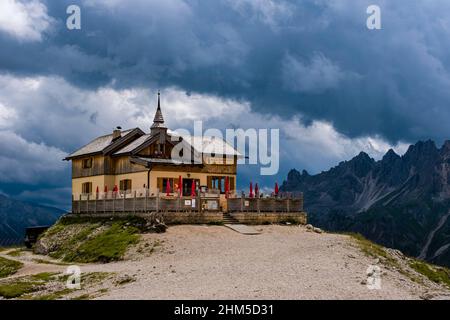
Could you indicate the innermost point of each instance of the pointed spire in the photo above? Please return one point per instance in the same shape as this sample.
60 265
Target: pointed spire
159 103
158 120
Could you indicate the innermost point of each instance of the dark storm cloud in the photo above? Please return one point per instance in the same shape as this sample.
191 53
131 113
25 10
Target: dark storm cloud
314 58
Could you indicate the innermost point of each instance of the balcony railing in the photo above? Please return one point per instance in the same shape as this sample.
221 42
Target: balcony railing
144 200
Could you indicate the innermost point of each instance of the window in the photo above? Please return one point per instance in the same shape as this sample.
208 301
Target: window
218 183
87 163
125 185
86 188
162 184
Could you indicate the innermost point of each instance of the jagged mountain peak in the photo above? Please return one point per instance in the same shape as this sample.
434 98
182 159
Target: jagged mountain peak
396 201
445 150
391 156
421 148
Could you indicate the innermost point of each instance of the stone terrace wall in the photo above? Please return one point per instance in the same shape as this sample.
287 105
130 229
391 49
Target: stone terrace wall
203 217
270 217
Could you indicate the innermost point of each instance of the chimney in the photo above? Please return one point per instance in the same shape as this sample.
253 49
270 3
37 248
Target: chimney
117 133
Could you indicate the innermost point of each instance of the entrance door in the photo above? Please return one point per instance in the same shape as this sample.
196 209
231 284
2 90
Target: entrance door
187 186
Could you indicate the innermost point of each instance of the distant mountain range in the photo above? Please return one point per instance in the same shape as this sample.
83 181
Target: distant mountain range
16 215
401 202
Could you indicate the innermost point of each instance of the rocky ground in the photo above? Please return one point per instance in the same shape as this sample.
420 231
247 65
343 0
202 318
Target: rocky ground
214 262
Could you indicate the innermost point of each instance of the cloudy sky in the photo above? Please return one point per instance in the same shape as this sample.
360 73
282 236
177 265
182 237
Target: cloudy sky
310 68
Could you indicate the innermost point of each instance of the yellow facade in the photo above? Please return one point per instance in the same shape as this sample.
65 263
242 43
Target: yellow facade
139 180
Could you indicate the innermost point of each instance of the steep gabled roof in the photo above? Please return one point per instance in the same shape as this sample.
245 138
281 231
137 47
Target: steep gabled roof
209 144
203 144
105 144
133 145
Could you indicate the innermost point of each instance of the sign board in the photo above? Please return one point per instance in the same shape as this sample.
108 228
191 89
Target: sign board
246 203
187 202
193 203
211 205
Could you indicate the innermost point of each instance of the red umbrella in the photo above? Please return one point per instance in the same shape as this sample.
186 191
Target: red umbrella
256 190
168 188
180 186
106 188
115 188
227 186
276 188
251 190
193 188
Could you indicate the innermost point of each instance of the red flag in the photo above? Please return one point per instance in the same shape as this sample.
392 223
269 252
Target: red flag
180 185
168 188
227 187
256 190
276 188
251 190
193 188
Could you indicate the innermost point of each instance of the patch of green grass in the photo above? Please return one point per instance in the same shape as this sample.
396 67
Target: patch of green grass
44 276
82 297
107 246
376 251
56 228
54 295
46 285
68 246
9 267
17 289
15 253
436 274
43 261
94 277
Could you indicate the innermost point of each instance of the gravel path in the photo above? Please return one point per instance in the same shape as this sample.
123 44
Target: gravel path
283 262
213 262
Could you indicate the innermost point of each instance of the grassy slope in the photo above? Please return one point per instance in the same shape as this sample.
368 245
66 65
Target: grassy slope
437 274
91 241
8 267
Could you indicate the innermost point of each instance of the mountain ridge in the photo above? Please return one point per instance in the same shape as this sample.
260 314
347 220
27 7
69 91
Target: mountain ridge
16 215
397 201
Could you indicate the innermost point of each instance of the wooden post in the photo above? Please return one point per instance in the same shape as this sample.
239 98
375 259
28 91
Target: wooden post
134 202
114 202
145 200
104 202
242 204
158 202
79 204
124 197
87 204
257 204
288 205
95 208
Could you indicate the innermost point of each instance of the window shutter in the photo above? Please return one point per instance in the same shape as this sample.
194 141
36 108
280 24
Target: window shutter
160 184
209 182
